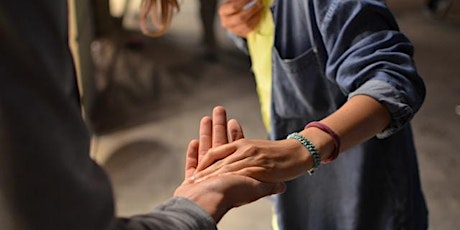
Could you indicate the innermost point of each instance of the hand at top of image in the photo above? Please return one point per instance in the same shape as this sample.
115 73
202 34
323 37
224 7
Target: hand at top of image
240 17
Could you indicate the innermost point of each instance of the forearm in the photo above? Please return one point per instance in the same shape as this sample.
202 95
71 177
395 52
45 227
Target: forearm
358 120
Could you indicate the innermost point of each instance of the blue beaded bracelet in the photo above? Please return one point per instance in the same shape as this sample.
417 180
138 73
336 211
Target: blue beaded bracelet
311 149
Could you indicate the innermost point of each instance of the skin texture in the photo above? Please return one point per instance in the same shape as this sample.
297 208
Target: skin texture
238 20
269 161
278 161
218 194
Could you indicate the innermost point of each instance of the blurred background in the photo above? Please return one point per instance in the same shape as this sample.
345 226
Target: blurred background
143 99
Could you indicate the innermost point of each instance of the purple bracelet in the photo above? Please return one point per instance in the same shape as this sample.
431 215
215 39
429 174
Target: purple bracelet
334 136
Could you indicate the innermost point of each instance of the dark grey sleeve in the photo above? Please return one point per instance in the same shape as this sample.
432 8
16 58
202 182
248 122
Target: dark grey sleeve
47 179
175 214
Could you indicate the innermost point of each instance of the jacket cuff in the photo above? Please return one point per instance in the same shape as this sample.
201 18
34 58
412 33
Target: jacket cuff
394 101
196 215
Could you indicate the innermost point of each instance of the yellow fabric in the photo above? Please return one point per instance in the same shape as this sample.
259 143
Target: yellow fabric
260 43
274 221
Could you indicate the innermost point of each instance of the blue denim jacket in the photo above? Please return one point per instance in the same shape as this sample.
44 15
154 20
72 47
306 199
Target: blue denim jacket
326 51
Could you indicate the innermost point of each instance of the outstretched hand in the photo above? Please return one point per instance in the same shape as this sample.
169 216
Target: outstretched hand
263 160
215 131
218 194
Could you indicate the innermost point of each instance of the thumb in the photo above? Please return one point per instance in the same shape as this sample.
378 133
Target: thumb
191 160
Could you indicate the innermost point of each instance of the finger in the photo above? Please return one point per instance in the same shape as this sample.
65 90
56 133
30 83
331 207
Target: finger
227 9
205 137
241 26
191 160
235 131
246 163
219 126
253 21
241 17
214 155
220 168
225 160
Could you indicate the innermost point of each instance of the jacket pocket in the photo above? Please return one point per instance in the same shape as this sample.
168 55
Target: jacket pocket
299 88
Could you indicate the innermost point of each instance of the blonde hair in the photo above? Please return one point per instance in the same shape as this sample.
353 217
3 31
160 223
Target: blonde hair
159 13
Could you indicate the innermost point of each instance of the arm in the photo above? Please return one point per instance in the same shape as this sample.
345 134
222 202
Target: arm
352 123
371 63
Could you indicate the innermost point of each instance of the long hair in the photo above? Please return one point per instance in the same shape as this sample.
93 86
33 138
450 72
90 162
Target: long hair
159 14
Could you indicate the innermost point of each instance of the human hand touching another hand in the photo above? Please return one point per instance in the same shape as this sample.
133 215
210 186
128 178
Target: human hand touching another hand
217 194
264 160
240 17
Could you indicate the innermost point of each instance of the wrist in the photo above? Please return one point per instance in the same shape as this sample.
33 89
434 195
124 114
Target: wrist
301 155
212 202
323 142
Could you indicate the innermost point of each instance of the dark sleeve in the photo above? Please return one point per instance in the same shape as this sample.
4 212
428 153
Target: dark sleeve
174 214
367 54
47 179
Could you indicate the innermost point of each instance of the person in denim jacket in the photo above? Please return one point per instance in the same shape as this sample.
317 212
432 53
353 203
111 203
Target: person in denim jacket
344 65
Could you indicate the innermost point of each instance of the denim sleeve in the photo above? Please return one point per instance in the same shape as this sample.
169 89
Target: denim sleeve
367 54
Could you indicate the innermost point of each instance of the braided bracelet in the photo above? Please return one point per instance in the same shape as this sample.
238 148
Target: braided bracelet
311 149
334 136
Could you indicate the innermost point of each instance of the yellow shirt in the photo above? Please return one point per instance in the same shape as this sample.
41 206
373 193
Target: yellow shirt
260 43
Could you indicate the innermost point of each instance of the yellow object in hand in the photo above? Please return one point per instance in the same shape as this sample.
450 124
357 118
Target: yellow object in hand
260 43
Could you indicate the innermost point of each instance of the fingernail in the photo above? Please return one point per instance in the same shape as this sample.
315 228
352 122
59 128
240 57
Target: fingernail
249 5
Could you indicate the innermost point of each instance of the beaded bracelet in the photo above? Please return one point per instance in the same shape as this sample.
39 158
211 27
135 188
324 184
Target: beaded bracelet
334 136
311 149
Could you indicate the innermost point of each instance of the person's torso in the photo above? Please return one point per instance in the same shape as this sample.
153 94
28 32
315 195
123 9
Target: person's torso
300 91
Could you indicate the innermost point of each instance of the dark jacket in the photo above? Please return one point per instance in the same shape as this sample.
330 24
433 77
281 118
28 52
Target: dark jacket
47 179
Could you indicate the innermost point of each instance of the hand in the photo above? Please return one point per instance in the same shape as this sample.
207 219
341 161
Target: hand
215 131
237 18
218 194
263 160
